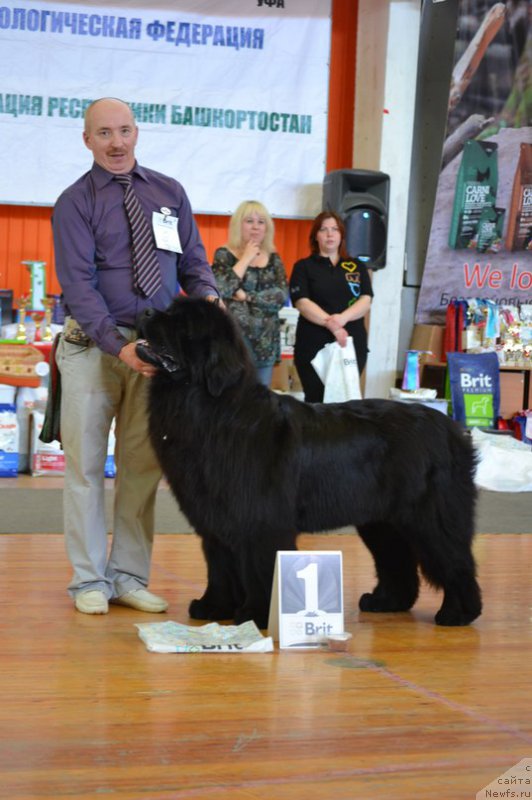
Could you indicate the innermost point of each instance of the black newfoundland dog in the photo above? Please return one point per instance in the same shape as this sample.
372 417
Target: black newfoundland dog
251 469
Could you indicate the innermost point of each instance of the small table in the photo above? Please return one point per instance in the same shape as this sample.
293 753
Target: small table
45 348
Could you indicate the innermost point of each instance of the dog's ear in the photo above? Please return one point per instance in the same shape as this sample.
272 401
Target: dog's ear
224 367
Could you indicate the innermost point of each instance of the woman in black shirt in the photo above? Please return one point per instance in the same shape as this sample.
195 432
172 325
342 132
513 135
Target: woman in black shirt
332 293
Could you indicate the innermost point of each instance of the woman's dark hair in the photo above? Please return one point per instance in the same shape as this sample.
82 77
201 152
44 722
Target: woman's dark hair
316 225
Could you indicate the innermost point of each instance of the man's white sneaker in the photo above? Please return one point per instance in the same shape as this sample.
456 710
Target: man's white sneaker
142 600
92 602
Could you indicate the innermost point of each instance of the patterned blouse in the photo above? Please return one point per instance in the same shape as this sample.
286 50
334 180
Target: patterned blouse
266 289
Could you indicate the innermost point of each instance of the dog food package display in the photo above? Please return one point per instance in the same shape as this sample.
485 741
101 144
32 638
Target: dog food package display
288 317
28 401
44 459
172 637
476 190
47 458
474 388
8 441
7 394
519 234
489 233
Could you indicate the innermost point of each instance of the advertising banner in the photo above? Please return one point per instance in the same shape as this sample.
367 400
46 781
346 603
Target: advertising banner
480 242
230 96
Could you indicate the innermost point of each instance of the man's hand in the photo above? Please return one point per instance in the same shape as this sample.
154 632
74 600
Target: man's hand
213 298
129 356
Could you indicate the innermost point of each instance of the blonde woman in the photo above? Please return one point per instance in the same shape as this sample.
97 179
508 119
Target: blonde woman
252 283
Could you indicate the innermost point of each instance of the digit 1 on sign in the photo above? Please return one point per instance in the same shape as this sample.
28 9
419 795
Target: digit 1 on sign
302 580
309 576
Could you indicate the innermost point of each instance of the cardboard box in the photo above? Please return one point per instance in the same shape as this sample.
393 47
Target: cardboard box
285 378
428 337
280 377
295 383
512 386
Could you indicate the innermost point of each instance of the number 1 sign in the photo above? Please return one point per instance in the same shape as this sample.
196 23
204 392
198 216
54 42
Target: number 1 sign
307 597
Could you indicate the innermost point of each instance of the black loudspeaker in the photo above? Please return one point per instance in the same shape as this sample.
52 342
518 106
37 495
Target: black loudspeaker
6 306
360 197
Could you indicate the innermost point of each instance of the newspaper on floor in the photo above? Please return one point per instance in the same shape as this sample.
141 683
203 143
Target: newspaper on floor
172 637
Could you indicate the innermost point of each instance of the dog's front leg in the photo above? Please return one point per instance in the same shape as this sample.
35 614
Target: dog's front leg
224 592
257 563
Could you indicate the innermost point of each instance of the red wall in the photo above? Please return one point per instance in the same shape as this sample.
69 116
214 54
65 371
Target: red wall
25 232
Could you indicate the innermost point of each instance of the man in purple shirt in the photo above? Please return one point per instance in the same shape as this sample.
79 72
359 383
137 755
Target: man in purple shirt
101 376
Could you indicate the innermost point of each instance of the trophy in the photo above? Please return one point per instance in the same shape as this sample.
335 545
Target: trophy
22 303
34 335
48 303
37 270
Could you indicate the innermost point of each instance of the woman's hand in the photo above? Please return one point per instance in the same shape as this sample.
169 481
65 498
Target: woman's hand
240 295
334 325
340 334
251 251
334 321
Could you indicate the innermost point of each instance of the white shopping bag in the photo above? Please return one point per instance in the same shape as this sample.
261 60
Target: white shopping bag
337 367
504 463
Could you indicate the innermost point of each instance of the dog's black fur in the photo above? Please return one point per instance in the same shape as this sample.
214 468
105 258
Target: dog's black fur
251 469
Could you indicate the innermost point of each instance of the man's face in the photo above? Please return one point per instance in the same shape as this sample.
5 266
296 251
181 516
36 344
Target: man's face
111 134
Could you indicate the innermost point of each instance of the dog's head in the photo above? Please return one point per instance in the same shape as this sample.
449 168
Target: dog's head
196 341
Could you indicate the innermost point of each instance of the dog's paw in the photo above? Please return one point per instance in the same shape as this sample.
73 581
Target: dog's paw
460 608
382 604
200 609
454 618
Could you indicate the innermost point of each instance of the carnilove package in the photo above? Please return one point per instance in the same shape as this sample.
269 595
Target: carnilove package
476 190
519 236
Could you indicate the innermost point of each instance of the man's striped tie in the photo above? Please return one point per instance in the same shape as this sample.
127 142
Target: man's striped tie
146 271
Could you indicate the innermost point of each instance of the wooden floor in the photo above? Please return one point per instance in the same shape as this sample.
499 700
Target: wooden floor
411 711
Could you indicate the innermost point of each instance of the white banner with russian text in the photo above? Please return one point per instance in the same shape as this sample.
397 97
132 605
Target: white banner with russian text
230 96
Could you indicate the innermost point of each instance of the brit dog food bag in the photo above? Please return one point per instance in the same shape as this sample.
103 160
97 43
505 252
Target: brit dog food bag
474 388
